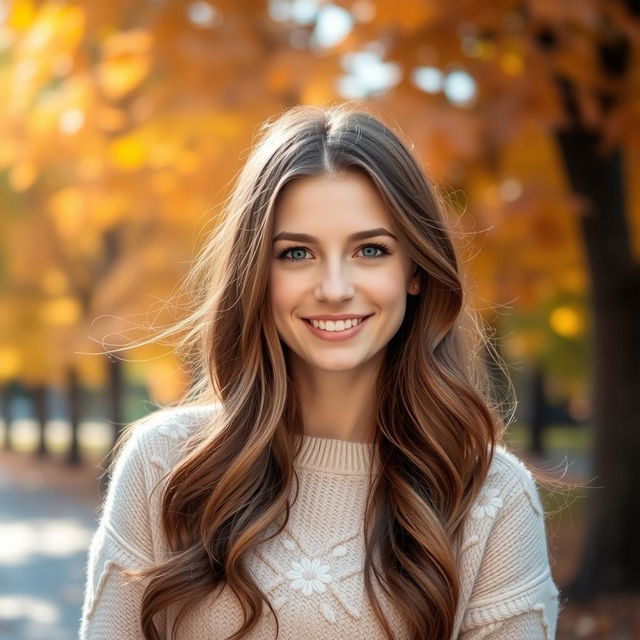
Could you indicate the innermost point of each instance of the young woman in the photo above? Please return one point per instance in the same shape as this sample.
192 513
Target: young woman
337 470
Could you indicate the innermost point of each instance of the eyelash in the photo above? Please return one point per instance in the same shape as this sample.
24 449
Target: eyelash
382 247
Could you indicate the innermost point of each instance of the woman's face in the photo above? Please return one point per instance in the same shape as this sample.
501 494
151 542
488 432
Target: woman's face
336 252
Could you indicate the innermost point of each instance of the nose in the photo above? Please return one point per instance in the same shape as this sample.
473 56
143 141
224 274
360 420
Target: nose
335 283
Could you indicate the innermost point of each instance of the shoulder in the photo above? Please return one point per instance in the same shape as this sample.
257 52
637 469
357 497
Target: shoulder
173 423
505 529
159 438
511 479
504 558
509 463
507 515
129 513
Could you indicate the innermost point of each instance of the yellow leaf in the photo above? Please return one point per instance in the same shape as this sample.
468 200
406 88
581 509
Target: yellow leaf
107 211
91 369
70 24
90 167
574 280
279 78
512 63
484 49
8 152
119 76
89 242
43 119
164 181
186 161
54 282
161 154
22 176
68 209
316 93
155 256
10 362
21 14
127 153
134 41
54 29
525 344
111 119
61 311
126 62
567 321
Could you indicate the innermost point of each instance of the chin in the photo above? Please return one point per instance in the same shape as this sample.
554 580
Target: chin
335 365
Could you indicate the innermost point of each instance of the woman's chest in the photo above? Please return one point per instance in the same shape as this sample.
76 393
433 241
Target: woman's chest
312 573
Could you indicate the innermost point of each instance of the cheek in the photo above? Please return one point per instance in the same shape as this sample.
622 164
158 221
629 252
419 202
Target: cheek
283 292
389 287
388 293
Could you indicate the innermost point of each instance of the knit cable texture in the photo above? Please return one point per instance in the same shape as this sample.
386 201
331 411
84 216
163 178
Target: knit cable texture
312 571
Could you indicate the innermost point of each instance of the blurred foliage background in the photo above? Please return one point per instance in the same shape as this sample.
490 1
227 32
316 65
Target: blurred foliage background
123 125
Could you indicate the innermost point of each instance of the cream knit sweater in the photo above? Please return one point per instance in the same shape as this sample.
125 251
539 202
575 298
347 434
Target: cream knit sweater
312 572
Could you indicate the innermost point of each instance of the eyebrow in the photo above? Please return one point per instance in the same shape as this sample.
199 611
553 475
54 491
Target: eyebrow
354 237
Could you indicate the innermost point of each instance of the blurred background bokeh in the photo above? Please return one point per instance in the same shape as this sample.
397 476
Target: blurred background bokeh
122 127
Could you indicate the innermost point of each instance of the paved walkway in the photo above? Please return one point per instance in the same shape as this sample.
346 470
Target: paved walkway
47 518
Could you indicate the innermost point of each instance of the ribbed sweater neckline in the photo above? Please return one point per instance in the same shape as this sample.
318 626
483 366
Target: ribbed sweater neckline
335 456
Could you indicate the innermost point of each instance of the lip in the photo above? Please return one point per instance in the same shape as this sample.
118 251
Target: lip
337 336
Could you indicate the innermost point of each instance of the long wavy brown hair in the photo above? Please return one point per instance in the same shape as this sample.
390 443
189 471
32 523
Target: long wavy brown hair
438 417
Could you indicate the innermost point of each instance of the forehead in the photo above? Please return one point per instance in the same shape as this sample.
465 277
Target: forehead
331 203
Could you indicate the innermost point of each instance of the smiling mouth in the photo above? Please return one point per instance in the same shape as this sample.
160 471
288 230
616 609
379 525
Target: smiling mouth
360 321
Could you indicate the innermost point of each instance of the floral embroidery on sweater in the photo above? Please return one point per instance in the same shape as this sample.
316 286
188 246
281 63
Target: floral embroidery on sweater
309 576
318 578
487 503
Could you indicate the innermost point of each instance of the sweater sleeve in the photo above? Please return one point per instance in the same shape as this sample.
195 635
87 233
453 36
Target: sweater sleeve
112 602
514 595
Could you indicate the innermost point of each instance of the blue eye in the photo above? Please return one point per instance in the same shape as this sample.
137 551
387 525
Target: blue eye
383 249
283 254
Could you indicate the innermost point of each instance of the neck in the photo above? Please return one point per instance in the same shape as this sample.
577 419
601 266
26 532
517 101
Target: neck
337 404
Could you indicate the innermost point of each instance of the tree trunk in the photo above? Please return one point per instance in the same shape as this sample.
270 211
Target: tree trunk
537 411
115 396
39 398
610 560
73 402
5 396
116 413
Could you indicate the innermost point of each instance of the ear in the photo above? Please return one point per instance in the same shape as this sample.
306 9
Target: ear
413 287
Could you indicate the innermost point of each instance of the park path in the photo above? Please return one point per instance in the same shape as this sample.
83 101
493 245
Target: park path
47 518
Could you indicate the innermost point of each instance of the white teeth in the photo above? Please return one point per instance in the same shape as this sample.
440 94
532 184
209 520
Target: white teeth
338 325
